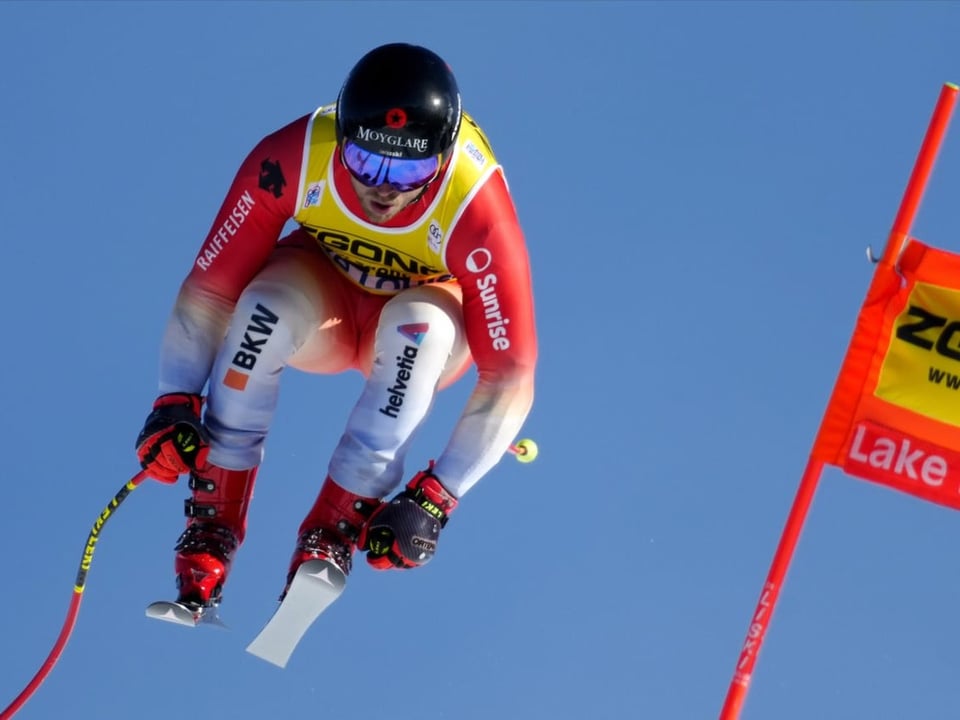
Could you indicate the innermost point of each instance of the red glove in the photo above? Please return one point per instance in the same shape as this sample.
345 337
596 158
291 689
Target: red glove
173 441
403 533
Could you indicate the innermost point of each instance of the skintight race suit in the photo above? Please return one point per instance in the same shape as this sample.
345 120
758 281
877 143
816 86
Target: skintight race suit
410 303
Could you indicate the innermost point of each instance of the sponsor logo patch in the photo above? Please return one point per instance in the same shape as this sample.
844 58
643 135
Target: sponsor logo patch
313 194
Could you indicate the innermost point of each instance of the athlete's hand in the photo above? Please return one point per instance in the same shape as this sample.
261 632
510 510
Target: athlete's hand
173 440
403 533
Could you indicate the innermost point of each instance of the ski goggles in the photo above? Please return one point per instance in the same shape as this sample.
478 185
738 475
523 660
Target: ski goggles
373 170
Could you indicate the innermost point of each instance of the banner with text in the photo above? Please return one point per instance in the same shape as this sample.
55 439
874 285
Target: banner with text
894 416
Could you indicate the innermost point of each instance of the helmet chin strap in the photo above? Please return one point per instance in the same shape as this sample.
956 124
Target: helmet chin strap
420 194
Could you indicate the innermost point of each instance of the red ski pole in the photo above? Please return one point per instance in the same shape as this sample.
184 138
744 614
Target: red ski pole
74 608
525 451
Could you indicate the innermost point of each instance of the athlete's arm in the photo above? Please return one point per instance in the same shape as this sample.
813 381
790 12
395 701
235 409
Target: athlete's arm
261 199
487 254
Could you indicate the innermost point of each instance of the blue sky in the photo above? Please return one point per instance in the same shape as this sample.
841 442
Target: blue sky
697 182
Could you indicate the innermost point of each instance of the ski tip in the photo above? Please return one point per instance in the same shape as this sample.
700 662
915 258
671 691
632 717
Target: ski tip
180 614
277 660
316 584
171 612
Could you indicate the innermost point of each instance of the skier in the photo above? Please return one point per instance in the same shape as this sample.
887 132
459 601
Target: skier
408 264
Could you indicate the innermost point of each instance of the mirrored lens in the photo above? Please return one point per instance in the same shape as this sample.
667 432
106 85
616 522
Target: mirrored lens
372 169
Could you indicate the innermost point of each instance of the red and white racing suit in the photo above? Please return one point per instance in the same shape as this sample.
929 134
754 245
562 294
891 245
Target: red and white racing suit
409 303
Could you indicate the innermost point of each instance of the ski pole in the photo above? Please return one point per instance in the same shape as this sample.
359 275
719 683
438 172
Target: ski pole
525 450
78 587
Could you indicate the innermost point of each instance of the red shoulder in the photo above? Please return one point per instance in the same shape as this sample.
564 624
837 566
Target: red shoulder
261 198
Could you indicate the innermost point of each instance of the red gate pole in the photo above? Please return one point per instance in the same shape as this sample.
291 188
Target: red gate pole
737 693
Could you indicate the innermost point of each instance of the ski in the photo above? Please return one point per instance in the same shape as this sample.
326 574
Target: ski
315 586
181 614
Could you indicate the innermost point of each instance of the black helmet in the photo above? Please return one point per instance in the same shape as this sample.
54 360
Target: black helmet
401 101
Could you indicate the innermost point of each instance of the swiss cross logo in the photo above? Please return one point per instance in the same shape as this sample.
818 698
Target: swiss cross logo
906 463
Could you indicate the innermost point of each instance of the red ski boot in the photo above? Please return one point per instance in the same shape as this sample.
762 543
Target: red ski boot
331 528
216 527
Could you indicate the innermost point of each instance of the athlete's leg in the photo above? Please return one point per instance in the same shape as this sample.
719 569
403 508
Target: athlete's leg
291 304
413 347
418 347
294 312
